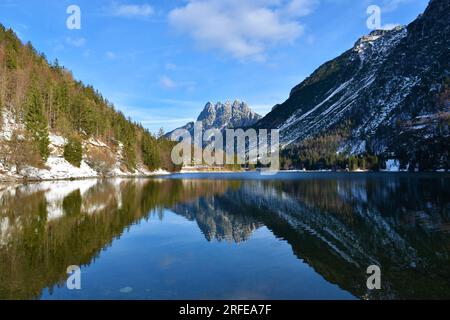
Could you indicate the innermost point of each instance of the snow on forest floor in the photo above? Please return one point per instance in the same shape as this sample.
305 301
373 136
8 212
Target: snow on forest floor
56 167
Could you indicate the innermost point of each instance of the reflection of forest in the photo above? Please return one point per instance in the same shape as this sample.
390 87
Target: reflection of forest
339 227
47 227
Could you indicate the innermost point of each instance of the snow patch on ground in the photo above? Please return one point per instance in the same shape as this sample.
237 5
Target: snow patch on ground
159 172
117 171
59 168
97 143
56 145
57 141
392 165
56 167
9 125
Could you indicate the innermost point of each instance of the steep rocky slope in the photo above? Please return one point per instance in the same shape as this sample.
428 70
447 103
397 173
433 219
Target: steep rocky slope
390 92
224 115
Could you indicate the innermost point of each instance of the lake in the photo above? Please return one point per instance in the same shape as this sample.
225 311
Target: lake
228 236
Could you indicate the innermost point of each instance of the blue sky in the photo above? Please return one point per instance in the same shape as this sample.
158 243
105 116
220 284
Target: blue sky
161 61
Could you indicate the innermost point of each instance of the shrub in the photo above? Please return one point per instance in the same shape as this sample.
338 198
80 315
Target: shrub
73 151
101 161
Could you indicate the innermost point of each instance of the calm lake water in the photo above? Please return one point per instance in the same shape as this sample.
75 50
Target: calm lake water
228 236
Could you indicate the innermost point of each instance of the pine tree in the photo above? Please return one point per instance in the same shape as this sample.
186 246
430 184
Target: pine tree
150 152
36 123
129 147
73 151
160 133
352 163
47 96
11 57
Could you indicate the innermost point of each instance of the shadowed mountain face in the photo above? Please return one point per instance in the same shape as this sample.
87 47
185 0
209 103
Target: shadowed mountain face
391 91
338 225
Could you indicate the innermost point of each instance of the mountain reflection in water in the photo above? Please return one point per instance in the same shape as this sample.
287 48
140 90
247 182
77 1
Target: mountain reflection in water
338 225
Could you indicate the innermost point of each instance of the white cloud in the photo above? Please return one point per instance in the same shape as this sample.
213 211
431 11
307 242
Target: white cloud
310 39
167 83
87 53
132 10
301 8
180 103
170 66
8 3
244 29
76 42
166 120
392 5
111 55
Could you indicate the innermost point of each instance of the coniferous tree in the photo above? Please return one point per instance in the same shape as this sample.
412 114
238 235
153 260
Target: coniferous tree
73 151
160 133
35 121
11 57
48 97
129 147
150 152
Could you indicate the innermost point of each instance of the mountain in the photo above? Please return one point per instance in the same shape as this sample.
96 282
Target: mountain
387 96
224 115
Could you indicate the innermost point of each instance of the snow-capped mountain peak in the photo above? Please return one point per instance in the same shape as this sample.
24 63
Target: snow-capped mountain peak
377 91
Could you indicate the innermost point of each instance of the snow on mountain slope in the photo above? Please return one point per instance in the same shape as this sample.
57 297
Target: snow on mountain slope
380 89
332 109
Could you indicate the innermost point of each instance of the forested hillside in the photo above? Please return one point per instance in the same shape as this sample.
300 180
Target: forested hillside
43 99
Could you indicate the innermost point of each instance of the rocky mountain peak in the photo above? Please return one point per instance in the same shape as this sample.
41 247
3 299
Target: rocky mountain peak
380 91
224 115
227 115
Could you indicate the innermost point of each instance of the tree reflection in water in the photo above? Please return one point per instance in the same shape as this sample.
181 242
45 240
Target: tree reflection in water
338 225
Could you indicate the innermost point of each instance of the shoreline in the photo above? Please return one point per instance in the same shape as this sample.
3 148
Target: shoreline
35 180
159 175
312 171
